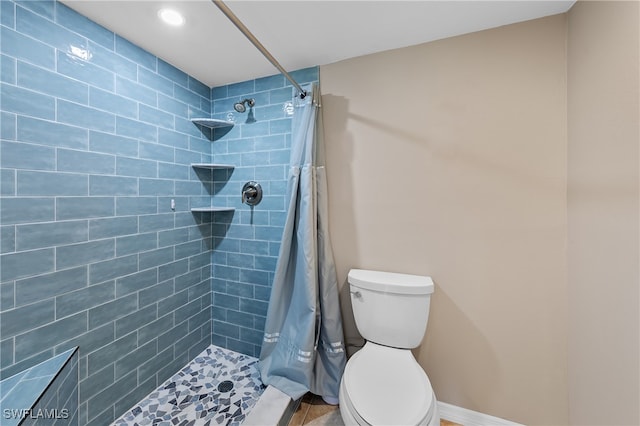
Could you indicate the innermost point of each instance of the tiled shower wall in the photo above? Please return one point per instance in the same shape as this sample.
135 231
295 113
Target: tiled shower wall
96 141
247 242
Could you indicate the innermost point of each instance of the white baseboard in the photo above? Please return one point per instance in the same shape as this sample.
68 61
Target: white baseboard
469 417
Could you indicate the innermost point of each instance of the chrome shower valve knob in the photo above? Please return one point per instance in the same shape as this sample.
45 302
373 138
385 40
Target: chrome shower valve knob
251 193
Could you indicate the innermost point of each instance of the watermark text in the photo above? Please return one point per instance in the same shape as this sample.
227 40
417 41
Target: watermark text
40 413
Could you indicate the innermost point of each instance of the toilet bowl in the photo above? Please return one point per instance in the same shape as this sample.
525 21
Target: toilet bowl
382 383
386 386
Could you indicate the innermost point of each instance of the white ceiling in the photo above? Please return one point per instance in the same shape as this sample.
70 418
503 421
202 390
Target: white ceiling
298 33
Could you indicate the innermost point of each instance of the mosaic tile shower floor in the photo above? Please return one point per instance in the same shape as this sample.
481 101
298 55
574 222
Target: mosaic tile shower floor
219 387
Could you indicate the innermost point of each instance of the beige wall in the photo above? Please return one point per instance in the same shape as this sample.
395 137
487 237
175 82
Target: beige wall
603 207
449 159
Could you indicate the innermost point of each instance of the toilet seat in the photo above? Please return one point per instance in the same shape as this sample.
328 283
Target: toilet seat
386 386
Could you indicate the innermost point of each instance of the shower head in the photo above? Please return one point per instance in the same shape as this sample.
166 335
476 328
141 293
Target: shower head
240 106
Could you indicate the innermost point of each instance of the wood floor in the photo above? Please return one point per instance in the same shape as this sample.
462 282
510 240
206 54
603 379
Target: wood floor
313 407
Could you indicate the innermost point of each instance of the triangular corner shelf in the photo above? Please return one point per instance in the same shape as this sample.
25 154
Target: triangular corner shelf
212 123
212 209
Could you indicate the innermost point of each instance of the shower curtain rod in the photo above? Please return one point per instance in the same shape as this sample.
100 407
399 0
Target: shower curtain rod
238 23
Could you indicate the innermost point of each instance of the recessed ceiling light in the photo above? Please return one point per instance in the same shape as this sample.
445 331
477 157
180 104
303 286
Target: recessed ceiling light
171 17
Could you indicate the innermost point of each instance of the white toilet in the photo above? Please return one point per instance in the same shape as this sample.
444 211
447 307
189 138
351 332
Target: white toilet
382 383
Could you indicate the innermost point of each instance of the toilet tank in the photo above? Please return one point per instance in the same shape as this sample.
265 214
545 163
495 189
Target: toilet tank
390 309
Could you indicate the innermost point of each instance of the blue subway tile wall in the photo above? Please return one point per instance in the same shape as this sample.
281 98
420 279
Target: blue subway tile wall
247 242
95 143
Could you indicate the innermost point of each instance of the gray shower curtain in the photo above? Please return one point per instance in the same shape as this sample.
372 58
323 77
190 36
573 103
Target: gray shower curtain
303 347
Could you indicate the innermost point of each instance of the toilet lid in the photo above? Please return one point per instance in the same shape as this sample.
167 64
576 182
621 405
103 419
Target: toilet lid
387 387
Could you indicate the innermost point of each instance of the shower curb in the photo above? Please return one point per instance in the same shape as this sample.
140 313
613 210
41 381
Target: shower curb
274 408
